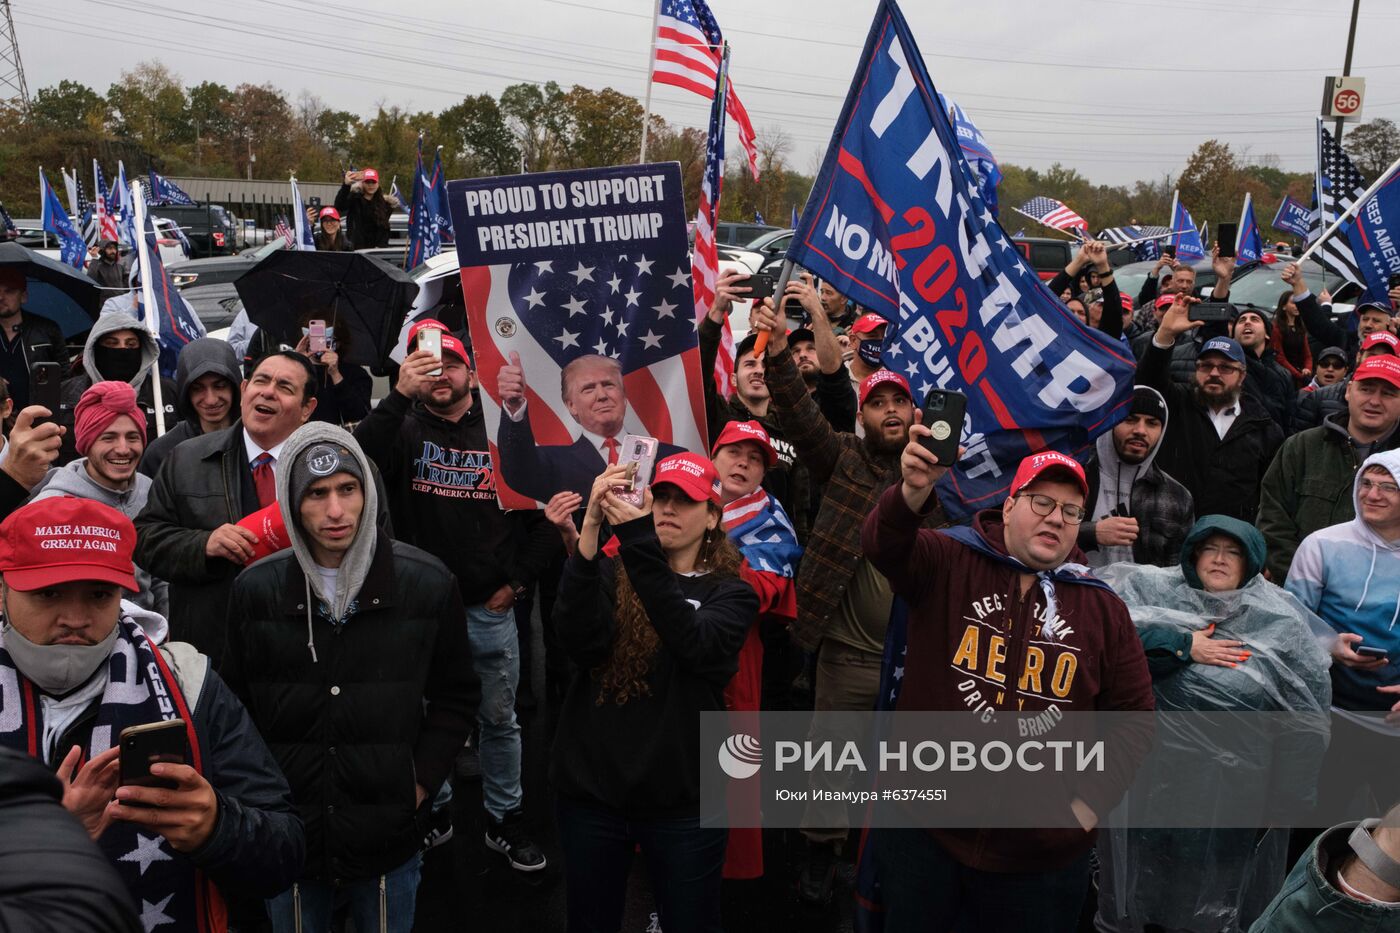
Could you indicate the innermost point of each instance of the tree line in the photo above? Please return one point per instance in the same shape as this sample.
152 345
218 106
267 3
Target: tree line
149 118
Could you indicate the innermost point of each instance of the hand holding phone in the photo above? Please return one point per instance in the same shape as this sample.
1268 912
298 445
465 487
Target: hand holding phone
943 415
46 387
1370 653
316 337
1226 234
145 745
760 286
430 340
638 452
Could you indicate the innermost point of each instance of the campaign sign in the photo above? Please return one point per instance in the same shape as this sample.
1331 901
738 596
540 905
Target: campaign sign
1292 217
579 304
1374 234
894 224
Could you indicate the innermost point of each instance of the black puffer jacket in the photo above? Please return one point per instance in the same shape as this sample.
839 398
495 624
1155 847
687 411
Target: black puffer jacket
368 220
52 877
1271 386
203 357
1313 407
349 728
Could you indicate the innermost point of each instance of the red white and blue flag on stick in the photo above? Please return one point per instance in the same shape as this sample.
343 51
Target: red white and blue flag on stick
689 46
1292 217
126 214
55 220
176 322
165 191
105 209
895 224
1056 215
1374 236
1186 239
704 259
1249 244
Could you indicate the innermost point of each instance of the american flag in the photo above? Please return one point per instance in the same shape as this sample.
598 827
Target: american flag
704 259
106 217
1053 214
285 232
688 51
1339 184
629 306
1144 250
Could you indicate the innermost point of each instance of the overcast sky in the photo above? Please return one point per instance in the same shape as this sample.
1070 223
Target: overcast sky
1118 89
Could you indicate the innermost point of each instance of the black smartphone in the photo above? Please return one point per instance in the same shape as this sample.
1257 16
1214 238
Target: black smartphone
1211 312
943 415
1225 235
315 201
1168 250
1394 280
760 286
1368 652
46 387
145 745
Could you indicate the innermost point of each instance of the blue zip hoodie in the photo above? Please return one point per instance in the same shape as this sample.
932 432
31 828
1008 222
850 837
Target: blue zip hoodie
1350 576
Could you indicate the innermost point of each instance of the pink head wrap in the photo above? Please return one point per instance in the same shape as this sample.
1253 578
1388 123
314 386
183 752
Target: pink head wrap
100 405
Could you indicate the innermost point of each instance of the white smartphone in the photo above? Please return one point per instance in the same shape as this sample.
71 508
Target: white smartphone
430 339
639 453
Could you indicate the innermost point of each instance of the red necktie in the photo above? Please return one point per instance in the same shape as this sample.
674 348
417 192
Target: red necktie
611 444
264 480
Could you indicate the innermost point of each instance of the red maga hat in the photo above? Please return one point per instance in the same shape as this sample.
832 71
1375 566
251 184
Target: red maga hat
1034 466
450 344
65 539
692 474
878 378
738 432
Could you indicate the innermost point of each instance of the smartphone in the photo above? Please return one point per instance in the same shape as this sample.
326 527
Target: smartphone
1368 652
1225 235
1169 250
316 337
760 286
1211 312
1394 280
45 387
639 453
145 745
430 339
315 201
943 415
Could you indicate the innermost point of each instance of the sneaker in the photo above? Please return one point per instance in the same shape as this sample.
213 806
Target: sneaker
439 828
509 838
818 877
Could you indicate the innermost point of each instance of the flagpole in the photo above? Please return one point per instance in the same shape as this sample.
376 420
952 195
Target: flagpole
1349 212
651 73
1145 239
148 297
1171 217
1239 227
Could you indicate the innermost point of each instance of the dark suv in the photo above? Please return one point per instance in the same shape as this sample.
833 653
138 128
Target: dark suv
210 229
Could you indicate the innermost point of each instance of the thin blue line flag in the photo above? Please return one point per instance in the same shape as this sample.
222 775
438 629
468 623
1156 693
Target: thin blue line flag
895 224
72 249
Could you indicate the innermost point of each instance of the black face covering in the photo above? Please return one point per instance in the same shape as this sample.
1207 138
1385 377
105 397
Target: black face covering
117 364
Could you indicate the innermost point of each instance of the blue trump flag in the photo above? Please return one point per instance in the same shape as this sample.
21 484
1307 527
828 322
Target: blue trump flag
55 219
165 191
986 171
1185 237
793 222
894 223
1374 234
758 218
176 320
1292 217
1249 245
438 196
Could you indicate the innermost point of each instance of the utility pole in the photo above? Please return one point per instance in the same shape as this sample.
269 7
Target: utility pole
1346 66
13 89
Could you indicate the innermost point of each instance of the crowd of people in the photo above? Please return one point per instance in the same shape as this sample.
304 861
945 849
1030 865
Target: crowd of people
327 596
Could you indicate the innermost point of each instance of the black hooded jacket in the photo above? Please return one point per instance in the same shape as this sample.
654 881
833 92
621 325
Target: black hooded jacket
367 219
200 358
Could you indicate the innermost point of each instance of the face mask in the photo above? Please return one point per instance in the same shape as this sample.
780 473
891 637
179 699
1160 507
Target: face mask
117 364
56 669
869 351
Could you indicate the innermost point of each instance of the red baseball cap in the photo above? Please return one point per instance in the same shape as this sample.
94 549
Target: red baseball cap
878 378
1036 465
1127 302
738 432
1164 301
1379 367
1385 337
330 212
692 474
65 539
450 344
868 324
371 174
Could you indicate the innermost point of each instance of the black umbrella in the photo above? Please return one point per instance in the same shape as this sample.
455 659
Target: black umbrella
361 297
57 291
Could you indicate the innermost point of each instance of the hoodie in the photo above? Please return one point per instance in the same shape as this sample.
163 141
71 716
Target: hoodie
73 479
1116 480
355 566
82 380
199 358
1350 576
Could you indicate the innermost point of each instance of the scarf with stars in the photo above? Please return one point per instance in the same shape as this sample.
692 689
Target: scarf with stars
171 893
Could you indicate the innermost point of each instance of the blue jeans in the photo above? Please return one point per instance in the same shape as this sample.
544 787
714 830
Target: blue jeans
367 901
685 862
924 888
496 660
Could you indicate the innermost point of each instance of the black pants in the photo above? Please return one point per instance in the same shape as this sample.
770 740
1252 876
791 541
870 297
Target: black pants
925 889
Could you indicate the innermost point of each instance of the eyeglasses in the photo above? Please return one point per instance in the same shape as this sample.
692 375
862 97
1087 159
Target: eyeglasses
1390 489
1044 506
1222 368
1221 550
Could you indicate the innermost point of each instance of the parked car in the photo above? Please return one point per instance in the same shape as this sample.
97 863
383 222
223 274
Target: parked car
217 270
1256 284
1047 255
728 233
209 228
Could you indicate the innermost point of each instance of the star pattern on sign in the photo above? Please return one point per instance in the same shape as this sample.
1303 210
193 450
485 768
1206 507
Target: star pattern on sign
153 915
147 850
545 265
569 311
925 388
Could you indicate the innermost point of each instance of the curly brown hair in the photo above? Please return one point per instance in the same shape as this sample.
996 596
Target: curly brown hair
624 674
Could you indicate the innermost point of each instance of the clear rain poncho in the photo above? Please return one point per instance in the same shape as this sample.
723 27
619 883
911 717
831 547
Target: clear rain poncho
1214 880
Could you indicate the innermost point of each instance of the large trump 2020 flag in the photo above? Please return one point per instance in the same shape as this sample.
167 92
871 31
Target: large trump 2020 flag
895 222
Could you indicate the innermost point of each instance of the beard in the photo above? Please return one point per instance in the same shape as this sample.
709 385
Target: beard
1215 401
430 403
881 449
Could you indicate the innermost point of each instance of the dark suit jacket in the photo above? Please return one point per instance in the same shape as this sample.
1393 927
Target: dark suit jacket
540 472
